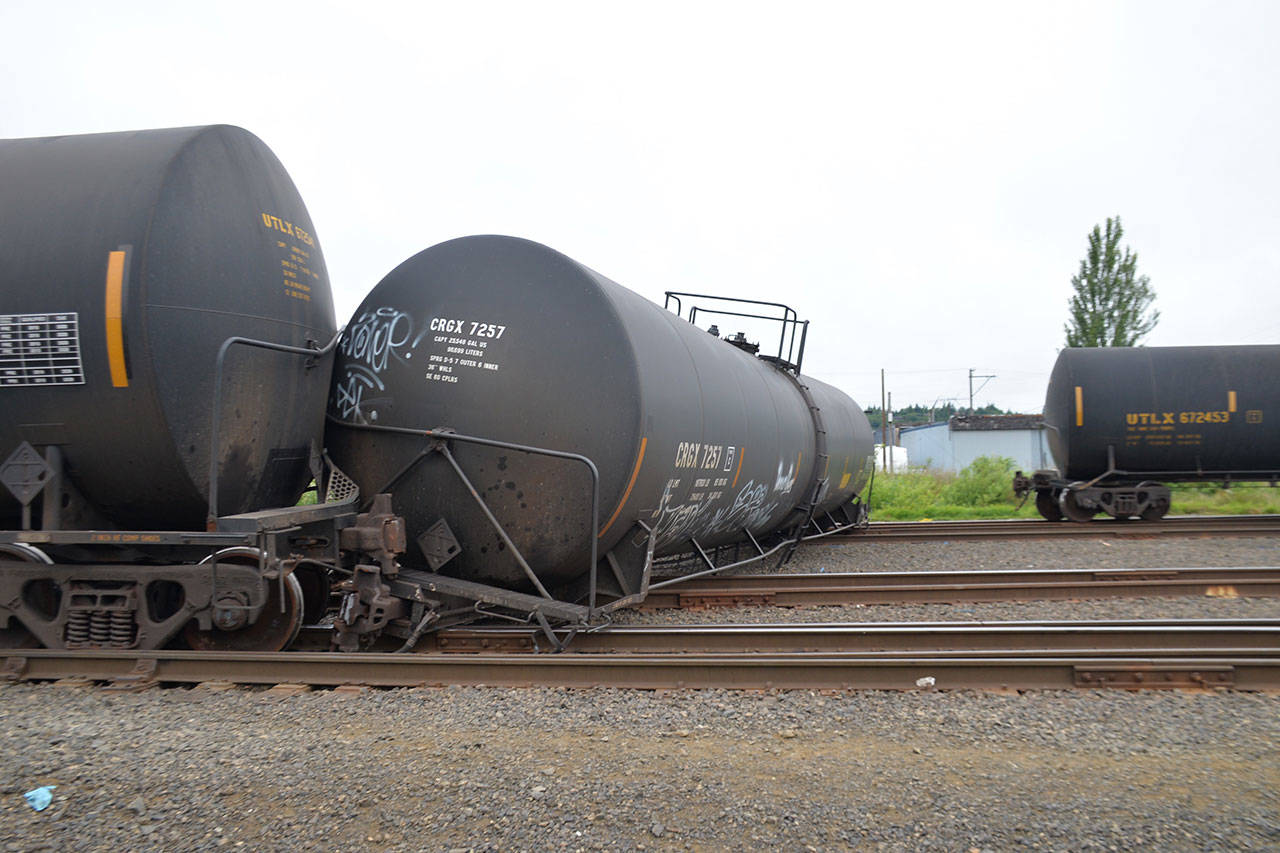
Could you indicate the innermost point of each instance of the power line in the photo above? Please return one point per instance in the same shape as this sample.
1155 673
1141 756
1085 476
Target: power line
986 377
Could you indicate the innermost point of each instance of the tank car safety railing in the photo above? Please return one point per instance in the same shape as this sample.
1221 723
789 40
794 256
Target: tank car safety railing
439 438
789 321
312 351
761 552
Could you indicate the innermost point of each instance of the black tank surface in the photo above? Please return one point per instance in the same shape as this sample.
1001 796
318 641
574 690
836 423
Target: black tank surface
1172 412
507 339
126 259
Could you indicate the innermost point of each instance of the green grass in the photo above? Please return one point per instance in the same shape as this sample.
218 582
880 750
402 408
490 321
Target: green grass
1208 499
309 497
985 490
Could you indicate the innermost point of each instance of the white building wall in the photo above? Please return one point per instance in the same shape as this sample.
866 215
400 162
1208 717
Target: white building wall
929 447
1026 447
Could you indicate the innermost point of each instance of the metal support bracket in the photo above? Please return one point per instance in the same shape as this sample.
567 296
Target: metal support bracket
15 669
142 676
1155 677
556 644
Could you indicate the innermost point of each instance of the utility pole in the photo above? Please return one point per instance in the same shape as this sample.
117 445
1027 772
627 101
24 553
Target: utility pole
884 427
980 387
934 407
892 432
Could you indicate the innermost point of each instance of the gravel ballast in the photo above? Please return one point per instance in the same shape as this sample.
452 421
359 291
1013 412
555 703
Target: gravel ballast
972 554
872 555
534 769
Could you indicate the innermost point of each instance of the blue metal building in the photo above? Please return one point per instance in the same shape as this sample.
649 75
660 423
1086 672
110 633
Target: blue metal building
953 445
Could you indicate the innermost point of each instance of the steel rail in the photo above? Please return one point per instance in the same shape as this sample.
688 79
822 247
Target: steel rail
135 670
810 589
1147 637
915 531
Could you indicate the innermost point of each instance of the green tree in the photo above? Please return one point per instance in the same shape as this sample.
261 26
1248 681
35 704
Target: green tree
1111 304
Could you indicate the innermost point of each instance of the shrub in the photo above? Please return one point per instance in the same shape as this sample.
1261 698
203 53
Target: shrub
909 490
983 490
987 481
310 496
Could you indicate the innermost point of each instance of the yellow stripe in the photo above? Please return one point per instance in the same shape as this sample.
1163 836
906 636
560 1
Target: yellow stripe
115 319
634 473
1079 406
1231 401
742 451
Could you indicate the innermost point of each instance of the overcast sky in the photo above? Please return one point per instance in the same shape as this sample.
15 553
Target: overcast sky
917 179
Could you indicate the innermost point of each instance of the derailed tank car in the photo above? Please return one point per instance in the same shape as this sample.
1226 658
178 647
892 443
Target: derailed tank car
127 262
693 442
1125 420
166 354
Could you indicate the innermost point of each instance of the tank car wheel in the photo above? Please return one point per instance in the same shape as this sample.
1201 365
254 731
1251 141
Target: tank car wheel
16 636
1155 512
315 594
273 632
1047 505
1072 509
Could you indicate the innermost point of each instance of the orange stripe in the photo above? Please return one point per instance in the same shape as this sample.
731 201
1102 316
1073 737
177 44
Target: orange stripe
635 472
1231 401
1079 406
742 451
115 320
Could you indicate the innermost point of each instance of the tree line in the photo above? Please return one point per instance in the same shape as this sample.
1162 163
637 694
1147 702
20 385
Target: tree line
916 415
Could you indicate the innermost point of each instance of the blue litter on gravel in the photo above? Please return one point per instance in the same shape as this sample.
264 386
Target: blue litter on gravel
40 798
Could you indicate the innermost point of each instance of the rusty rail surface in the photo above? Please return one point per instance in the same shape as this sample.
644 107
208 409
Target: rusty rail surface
912 531
1162 638
810 589
730 671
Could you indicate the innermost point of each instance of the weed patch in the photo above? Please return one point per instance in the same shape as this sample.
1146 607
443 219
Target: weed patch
985 490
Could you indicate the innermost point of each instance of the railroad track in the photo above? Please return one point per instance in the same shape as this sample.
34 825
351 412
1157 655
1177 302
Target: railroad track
734 672
813 589
915 531
1148 637
1233 653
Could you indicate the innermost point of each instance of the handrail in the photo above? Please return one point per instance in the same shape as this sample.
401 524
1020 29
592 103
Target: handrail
789 321
444 436
212 518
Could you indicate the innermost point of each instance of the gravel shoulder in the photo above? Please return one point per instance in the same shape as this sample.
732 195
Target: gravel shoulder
473 768
535 769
